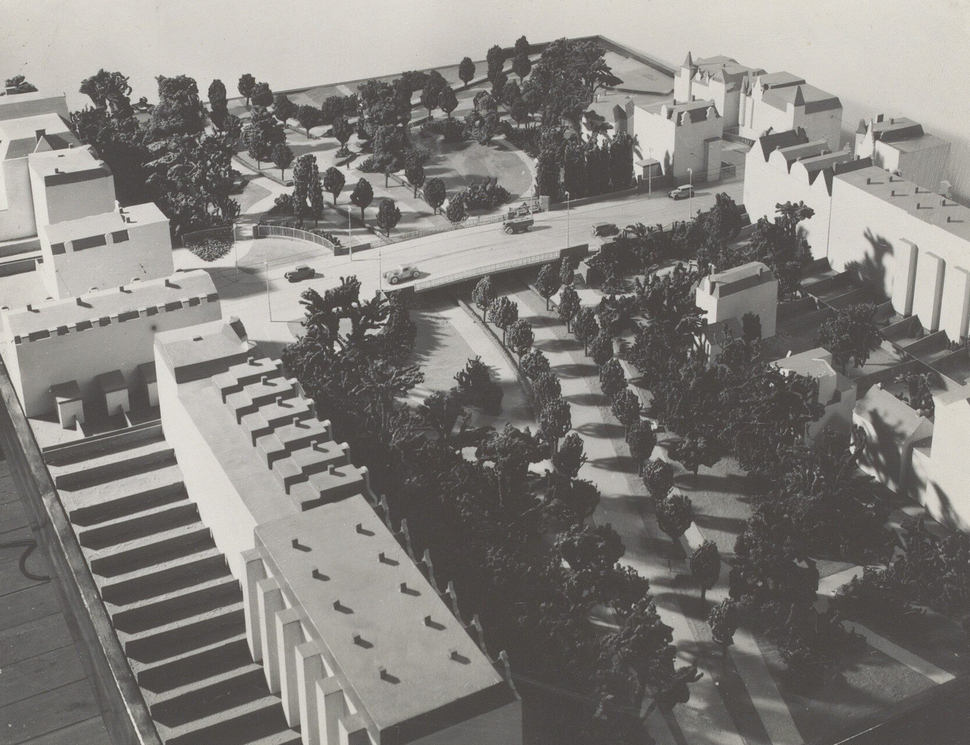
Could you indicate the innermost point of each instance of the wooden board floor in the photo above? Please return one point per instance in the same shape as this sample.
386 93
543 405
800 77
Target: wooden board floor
45 698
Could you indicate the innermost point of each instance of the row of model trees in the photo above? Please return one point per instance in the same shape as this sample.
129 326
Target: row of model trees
485 518
171 159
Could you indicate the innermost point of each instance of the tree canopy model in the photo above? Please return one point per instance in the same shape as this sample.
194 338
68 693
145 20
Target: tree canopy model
263 134
19 84
414 173
308 117
456 210
612 378
585 327
218 103
601 348
306 182
695 451
724 619
569 304
388 215
555 420
626 407
534 363
179 109
262 95
548 282
448 101
503 313
675 513
434 193
246 85
642 440
851 335
466 70
283 108
520 337
658 477
282 156
495 59
705 566
362 196
484 292
342 130
546 387
521 65
333 182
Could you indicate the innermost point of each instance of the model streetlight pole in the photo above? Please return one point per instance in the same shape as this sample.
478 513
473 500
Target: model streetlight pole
649 171
690 193
567 219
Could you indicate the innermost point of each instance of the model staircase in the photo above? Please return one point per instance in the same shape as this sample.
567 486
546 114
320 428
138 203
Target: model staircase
176 608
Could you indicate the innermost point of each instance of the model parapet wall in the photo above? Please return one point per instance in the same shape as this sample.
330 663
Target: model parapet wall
749 288
78 339
106 249
360 641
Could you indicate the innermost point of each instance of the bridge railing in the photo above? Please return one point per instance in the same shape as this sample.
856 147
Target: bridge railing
498 268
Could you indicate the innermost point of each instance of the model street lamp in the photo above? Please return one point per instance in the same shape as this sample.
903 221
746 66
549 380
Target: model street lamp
567 218
690 193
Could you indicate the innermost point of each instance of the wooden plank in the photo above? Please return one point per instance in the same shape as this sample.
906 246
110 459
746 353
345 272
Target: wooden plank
14 552
29 604
13 580
88 732
30 639
47 712
39 674
12 516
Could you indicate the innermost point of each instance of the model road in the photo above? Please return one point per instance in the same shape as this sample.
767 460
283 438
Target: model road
265 300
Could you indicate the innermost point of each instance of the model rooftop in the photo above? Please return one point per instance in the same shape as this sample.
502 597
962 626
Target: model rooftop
739 278
70 161
21 137
813 363
398 648
104 306
918 202
108 222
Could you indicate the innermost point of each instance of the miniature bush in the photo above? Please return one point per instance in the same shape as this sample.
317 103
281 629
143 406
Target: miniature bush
476 387
211 249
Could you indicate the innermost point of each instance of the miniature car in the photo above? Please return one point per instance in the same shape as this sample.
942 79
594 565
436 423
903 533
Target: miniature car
681 192
518 220
603 229
401 273
301 272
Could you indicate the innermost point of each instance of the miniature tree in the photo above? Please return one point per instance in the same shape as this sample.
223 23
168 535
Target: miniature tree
495 59
641 439
342 130
456 210
567 273
520 337
448 101
585 327
362 196
306 178
521 65
534 363
612 378
555 420
601 349
308 116
569 305
218 103
282 157
414 172
851 335
434 193
658 477
548 282
245 87
466 70
547 388
483 294
283 108
262 95
388 215
724 620
694 451
503 313
333 183
675 513
570 456
705 565
626 407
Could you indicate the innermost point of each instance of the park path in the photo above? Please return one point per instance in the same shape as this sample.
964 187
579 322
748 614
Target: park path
705 719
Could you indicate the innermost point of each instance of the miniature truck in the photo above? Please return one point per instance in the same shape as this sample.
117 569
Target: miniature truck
518 220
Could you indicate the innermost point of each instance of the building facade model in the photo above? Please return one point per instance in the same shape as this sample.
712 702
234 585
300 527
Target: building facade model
684 138
752 101
750 288
912 244
901 146
351 631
